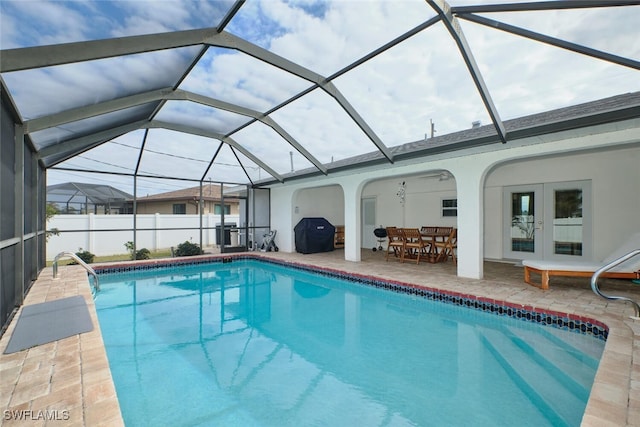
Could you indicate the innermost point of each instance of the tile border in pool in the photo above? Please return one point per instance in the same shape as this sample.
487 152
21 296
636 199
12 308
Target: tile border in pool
575 323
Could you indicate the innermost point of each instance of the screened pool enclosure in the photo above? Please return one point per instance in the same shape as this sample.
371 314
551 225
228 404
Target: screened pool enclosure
153 96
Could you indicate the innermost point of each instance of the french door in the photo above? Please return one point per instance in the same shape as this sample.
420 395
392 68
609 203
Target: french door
547 221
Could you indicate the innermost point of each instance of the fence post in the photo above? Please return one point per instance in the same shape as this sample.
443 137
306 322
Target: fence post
156 232
92 236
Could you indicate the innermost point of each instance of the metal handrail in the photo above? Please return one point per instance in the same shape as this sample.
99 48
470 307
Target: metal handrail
596 275
79 261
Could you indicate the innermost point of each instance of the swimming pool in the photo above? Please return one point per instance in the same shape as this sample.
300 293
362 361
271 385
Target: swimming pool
258 343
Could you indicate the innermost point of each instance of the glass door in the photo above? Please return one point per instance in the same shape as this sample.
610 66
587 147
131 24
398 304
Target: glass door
569 214
523 222
547 221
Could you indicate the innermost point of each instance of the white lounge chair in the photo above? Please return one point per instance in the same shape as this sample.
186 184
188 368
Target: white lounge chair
629 269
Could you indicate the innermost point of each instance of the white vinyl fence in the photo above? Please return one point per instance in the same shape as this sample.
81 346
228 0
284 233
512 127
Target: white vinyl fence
120 228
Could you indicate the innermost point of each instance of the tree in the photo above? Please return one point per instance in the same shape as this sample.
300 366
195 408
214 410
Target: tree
50 211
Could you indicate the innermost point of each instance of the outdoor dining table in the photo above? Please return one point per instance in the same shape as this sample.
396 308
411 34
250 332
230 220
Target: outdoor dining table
432 237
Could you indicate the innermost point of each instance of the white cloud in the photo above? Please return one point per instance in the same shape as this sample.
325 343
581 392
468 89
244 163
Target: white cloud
397 93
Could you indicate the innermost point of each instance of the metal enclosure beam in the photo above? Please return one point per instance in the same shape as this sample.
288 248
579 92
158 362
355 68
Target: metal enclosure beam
594 53
67 53
214 135
232 42
18 194
94 110
443 9
72 147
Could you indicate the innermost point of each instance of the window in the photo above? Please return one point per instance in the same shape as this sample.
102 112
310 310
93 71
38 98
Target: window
179 208
449 207
218 209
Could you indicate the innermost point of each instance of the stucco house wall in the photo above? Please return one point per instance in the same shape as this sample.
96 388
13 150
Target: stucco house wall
606 154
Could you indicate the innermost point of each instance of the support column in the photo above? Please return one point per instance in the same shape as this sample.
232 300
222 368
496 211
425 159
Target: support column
352 220
282 220
469 174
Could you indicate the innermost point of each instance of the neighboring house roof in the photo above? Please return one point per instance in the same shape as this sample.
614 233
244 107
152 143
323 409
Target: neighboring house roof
78 192
209 192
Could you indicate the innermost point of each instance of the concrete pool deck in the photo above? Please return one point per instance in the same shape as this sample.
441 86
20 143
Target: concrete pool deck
68 382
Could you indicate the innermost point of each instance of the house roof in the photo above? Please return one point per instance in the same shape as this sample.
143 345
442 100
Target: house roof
279 90
209 192
78 192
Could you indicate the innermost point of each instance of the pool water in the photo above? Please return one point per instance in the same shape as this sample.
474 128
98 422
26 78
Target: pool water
252 343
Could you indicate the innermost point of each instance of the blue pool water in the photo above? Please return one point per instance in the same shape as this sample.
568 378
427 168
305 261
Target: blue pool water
251 343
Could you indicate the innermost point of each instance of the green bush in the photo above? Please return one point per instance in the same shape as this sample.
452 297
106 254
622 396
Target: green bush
143 254
188 249
85 256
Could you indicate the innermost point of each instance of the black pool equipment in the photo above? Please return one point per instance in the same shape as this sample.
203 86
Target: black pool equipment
314 235
381 234
268 242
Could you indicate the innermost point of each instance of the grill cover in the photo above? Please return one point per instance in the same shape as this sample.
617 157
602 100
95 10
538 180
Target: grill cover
314 235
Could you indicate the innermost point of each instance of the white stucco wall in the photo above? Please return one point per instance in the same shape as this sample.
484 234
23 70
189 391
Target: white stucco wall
615 180
326 202
607 154
423 201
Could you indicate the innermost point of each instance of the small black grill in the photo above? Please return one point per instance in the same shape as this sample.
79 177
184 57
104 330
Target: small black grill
381 234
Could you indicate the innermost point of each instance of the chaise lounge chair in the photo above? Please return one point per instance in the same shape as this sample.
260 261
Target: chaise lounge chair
629 269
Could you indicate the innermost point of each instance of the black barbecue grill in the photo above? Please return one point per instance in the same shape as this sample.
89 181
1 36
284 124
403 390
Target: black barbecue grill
381 234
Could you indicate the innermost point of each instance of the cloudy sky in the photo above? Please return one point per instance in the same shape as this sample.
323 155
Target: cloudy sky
397 93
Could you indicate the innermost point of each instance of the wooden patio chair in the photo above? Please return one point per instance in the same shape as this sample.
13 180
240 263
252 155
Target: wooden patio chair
448 247
443 233
396 242
425 229
414 246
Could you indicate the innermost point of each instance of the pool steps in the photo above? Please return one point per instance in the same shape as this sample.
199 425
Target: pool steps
527 365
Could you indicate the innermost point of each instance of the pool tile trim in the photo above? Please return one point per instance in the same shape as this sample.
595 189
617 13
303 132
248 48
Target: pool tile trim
567 321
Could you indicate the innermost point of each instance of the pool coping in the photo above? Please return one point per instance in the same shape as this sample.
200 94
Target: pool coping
613 399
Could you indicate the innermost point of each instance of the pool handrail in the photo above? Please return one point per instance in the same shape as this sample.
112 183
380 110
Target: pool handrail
604 268
79 261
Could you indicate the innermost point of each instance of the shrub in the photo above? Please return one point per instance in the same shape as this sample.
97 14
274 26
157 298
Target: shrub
143 254
140 254
85 256
188 249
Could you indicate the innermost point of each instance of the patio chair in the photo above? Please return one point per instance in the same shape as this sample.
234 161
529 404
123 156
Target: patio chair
414 246
447 248
629 269
396 242
443 233
428 229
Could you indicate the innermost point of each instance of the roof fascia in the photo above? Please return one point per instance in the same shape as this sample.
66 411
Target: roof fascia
587 120
443 9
